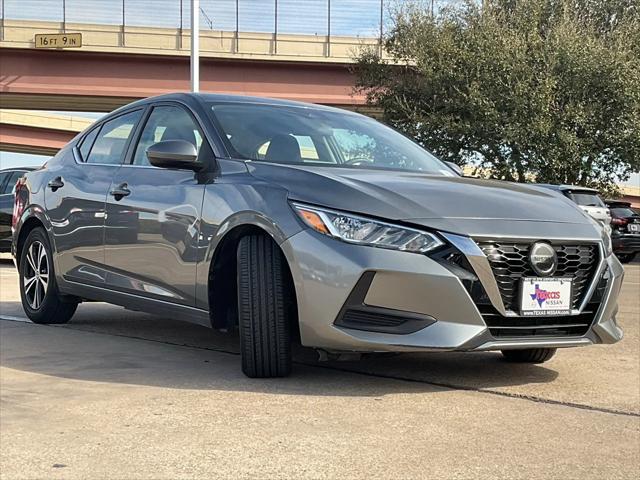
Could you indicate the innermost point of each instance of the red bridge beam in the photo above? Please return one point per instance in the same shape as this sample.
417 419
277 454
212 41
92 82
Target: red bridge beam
37 141
91 81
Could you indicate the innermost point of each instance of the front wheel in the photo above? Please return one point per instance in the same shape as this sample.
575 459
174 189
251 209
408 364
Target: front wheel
264 324
39 293
529 355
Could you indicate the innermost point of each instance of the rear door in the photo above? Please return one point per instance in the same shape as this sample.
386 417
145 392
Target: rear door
76 195
151 234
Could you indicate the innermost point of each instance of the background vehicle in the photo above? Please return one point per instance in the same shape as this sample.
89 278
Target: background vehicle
588 199
288 220
8 179
625 230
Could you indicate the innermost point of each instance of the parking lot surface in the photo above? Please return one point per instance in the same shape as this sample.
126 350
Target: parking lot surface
119 394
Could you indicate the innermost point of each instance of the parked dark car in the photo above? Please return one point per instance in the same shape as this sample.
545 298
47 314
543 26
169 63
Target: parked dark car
625 230
8 179
286 221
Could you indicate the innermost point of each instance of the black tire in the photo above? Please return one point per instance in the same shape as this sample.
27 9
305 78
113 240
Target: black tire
626 257
265 332
529 355
51 307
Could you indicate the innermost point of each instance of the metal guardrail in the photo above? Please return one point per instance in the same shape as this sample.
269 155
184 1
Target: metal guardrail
327 19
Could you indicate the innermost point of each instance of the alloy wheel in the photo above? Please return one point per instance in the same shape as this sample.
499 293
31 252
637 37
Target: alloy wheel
35 279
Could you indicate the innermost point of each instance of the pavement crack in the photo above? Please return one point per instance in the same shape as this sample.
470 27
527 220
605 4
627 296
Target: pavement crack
452 386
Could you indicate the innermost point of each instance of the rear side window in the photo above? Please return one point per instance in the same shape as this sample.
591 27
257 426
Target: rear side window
111 141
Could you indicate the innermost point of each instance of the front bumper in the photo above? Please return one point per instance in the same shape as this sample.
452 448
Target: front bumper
326 272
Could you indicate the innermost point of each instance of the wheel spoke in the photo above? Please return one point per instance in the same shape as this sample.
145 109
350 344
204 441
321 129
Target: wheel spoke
44 280
30 258
28 283
42 254
36 294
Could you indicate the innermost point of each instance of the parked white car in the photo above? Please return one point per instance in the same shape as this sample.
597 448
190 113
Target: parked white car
588 199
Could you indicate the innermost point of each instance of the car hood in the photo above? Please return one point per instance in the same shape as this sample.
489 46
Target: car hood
450 203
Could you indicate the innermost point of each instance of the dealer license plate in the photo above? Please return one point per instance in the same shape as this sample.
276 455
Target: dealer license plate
545 296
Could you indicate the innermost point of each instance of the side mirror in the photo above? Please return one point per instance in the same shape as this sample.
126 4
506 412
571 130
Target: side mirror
174 154
456 168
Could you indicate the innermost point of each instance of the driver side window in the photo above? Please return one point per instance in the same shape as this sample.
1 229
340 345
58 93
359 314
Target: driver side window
166 122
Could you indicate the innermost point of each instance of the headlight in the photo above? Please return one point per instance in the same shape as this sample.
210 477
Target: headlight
365 231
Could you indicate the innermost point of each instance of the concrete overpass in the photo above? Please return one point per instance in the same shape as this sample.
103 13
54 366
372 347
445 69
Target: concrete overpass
115 66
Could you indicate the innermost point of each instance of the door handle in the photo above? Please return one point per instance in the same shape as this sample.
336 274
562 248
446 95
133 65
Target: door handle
120 191
55 184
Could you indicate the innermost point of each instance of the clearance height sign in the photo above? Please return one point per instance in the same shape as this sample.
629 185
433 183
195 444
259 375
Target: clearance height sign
58 40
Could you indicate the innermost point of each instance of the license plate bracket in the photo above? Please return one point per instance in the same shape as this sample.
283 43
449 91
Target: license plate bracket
543 296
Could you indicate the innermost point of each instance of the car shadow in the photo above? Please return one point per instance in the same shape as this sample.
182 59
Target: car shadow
104 343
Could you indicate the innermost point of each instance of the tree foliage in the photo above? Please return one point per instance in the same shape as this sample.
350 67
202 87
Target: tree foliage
529 89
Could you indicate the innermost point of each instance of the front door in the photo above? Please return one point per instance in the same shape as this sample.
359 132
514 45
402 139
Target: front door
152 223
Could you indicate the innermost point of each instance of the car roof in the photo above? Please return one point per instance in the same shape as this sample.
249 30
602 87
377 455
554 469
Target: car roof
618 203
564 188
222 98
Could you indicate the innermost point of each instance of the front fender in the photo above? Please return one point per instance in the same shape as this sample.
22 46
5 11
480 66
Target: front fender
239 201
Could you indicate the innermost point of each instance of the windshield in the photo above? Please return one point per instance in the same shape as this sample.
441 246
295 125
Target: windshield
310 136
586 199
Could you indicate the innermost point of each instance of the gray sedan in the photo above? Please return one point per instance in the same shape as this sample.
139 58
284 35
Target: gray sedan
300 223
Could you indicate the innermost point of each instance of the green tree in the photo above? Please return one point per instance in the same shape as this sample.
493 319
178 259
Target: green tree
545 90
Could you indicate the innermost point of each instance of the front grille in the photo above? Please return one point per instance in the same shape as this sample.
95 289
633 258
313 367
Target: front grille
510 263
514 327
560 326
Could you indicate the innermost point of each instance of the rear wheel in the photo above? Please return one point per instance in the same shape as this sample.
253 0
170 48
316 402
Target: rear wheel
529 355
39 293
265 336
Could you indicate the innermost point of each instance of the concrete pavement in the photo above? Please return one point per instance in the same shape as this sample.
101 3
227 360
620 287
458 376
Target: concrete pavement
117 394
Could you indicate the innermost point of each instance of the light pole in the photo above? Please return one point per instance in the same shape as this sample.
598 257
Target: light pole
195 46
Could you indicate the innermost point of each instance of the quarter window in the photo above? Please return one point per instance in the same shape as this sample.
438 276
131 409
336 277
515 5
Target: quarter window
110 143
87 143
166 122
